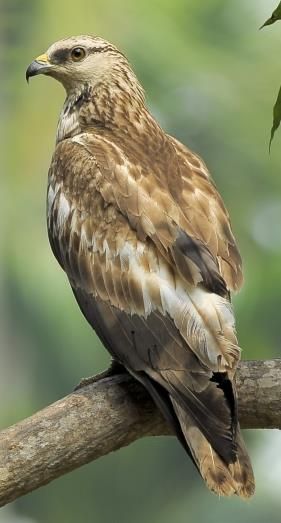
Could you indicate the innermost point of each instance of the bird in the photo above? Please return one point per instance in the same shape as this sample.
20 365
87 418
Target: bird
136 222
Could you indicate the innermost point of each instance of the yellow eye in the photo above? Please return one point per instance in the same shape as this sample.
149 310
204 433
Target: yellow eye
78 54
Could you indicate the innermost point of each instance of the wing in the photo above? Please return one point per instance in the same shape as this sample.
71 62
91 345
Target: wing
172 200
102 253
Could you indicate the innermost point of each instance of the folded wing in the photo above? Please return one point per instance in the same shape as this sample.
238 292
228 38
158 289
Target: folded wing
153 288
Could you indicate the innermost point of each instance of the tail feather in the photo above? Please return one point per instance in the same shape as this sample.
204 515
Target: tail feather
222 478
213 410
241 469
224 473
163 401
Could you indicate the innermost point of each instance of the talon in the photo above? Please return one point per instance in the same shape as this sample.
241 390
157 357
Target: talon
115 368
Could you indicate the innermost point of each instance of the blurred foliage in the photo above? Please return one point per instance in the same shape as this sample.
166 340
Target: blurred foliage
208 75
276 117
276 15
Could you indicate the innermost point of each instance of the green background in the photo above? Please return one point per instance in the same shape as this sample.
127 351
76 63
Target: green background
211 80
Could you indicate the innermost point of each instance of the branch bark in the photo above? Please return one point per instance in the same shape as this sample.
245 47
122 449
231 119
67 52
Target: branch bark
108 415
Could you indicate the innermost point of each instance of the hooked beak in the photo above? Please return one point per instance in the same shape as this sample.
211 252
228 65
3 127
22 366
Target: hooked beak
40 65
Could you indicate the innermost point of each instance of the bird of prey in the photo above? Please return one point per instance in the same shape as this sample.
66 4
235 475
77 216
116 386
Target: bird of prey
137 224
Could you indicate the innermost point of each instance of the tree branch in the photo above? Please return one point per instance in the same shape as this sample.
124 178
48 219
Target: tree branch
108 415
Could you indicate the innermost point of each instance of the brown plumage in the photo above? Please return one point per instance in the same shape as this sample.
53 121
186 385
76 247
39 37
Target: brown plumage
137 224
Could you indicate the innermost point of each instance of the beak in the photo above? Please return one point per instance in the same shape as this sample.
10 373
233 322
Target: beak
40 65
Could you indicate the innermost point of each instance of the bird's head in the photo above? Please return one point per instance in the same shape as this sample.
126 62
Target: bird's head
81 60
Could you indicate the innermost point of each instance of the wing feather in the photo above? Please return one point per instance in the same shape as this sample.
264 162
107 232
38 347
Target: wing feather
136 278
163 212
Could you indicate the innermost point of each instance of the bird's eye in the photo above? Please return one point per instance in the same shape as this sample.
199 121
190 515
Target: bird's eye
77 54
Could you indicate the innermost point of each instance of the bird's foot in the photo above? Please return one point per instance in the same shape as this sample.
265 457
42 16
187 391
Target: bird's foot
113 369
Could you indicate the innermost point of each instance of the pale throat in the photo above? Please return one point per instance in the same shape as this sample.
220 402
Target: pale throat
68 124
85 106
102 105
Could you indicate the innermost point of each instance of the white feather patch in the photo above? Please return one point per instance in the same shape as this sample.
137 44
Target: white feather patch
51 194
204 319
63 210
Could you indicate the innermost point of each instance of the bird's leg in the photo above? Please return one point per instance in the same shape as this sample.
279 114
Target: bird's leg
114 368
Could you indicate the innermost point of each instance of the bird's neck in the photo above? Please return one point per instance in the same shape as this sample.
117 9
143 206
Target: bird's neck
118 108
68 124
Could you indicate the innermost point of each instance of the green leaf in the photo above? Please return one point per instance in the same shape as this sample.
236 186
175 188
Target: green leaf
276 15
276 117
